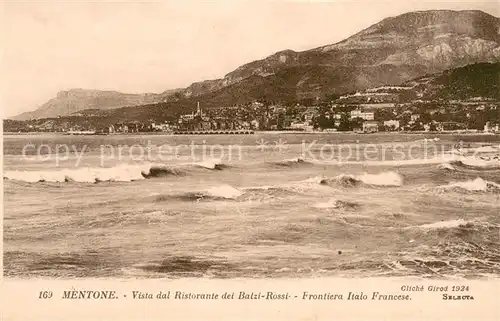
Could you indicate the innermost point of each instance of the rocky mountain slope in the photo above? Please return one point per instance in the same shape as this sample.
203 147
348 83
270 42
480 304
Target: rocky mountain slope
468 82
472 82
392 51
75 100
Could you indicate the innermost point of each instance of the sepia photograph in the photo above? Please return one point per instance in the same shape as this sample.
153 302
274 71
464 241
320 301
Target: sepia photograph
266 140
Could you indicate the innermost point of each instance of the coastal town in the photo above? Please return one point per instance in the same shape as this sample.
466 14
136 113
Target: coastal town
380 109
251 160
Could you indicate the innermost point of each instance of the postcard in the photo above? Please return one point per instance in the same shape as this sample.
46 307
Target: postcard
264 160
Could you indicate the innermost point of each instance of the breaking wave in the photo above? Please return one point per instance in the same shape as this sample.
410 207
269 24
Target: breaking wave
119 173
336 204
446 166
488 149
222 192
162 171
343 180
476 185
445 224
479 162
381 179
391 162
215 164
290 162
292 187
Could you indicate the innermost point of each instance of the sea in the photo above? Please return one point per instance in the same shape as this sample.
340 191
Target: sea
267 205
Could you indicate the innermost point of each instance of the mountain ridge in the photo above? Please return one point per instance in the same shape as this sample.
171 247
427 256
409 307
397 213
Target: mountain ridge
392 51
458 83
67 102
464 88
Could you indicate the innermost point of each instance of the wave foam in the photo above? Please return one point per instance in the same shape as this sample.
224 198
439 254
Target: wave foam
161 171
343 180
391 162
290 161
380 179
224 191
488 149
211 164
446 166
297 186
476 185
482 162
334 203
444 224
120 173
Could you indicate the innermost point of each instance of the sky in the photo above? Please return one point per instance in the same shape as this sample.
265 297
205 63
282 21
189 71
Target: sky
151 46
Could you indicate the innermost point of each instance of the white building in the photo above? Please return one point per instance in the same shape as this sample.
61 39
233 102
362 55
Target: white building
488 127
300 125
366 115
370 126
187 117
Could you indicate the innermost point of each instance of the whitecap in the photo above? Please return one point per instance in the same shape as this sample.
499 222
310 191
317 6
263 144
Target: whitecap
382 179
444 224
209 163
476 185
447 166
121 173
484 162
224 191
332 203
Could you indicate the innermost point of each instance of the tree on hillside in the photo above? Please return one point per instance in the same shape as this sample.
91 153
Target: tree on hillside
357 123
345 124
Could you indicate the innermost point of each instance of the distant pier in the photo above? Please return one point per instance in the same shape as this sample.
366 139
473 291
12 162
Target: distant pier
81 132
214 132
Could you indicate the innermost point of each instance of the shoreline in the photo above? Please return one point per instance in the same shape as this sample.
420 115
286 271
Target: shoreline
271 132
